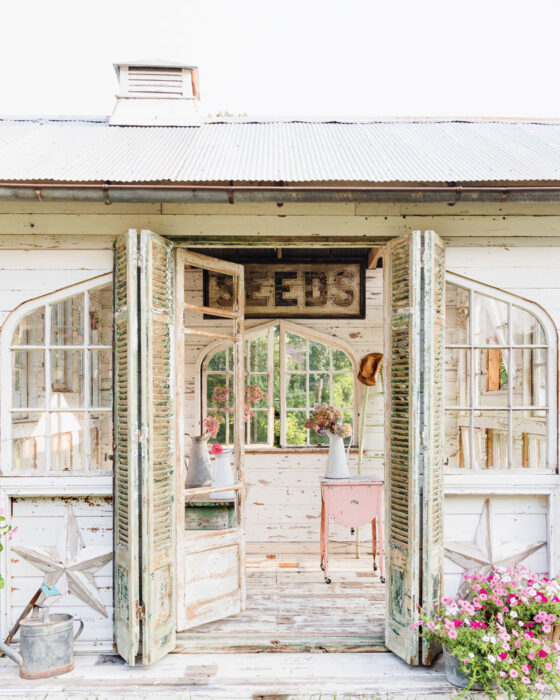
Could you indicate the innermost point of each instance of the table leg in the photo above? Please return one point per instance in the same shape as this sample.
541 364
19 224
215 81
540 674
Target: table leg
380 536
322 534
326 548
374 541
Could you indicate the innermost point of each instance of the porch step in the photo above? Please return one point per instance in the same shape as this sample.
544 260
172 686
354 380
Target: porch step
207 643
235 677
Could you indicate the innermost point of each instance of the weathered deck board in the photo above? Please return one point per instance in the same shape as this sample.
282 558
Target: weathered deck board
291 609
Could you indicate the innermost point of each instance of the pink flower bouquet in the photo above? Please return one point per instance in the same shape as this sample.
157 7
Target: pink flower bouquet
327 419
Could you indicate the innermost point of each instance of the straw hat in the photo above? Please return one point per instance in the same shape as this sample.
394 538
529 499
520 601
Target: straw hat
369 368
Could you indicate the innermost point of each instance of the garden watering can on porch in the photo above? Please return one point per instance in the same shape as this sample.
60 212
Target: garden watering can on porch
46 644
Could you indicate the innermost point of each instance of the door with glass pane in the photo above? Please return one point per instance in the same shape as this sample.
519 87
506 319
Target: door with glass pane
210 519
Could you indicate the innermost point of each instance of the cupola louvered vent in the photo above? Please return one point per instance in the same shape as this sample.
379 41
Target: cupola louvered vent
156 93
157 81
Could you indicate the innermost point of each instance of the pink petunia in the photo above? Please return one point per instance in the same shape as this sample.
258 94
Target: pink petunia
525 680
452 634
542 653
513 673
548 666
216 449
503 655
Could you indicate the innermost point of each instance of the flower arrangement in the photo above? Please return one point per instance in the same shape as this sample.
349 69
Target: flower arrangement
502 632
5 529
327 419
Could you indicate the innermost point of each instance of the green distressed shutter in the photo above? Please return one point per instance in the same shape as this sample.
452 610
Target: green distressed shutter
125 422
414 363
158 442
433 435
402 278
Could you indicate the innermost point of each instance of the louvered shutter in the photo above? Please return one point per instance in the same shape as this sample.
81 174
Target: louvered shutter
125 449
433 435
414 317
158 440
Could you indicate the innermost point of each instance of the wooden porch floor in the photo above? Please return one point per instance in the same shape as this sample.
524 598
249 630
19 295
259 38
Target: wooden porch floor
290 608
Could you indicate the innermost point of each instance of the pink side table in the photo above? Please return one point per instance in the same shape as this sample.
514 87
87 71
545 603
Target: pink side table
352 503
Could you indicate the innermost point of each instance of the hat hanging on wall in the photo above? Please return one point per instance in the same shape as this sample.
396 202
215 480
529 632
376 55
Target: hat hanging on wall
369 368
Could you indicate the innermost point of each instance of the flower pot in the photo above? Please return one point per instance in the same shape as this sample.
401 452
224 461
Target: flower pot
454 674
337 465
554 636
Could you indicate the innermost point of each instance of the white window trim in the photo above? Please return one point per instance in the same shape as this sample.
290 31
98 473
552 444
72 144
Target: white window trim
7 331
551 335
291 327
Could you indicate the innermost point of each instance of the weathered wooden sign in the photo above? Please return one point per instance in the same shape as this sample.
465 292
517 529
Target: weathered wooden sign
293 290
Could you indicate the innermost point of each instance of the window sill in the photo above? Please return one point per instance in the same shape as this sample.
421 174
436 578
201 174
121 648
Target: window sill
295 450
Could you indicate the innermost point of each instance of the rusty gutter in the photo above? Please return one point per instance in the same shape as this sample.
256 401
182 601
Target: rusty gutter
229 193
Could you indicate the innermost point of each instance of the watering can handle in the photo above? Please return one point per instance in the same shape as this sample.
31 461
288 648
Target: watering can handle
80 630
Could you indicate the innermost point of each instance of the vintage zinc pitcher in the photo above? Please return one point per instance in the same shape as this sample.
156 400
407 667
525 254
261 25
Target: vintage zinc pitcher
46 644
198 469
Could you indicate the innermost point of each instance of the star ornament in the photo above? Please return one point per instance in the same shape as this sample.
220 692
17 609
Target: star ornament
71 559
483 554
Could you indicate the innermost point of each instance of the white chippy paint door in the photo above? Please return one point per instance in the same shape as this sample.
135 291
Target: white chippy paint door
414 283
212 562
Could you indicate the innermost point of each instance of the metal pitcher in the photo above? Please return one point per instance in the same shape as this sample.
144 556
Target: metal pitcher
46 644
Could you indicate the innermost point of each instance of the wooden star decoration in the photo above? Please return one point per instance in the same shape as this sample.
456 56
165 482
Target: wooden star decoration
71 559
483 553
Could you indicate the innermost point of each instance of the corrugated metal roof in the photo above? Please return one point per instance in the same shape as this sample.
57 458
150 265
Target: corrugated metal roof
289 151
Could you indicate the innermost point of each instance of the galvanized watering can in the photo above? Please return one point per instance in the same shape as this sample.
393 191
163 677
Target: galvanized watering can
46 644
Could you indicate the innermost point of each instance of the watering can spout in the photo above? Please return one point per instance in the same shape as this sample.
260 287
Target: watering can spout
11 654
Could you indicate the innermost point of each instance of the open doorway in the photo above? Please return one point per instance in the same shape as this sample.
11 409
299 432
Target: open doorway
250 559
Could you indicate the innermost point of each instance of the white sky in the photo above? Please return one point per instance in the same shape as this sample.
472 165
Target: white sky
294 57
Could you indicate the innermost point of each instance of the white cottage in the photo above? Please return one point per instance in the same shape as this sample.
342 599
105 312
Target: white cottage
153 257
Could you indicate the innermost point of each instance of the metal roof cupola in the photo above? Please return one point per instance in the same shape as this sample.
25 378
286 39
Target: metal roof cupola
156 93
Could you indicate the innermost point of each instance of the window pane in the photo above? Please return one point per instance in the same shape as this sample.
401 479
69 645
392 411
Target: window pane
456 315
100 378
101 440
343 390
217 362
529 439
491 439
31 329
67 379
296 432
296 395
257 428
28 379
490 321
341 360
296 348
318 357
526 329
457 378
529 381
258 354
67 441
457 441
67 321
101 315
491 377
319 390
28 441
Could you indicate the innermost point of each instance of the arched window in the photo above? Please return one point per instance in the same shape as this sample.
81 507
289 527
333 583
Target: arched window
296 369
57 358
500 387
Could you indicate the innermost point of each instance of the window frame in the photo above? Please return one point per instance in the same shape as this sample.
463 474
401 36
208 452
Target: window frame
7 331
285 327
471 347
